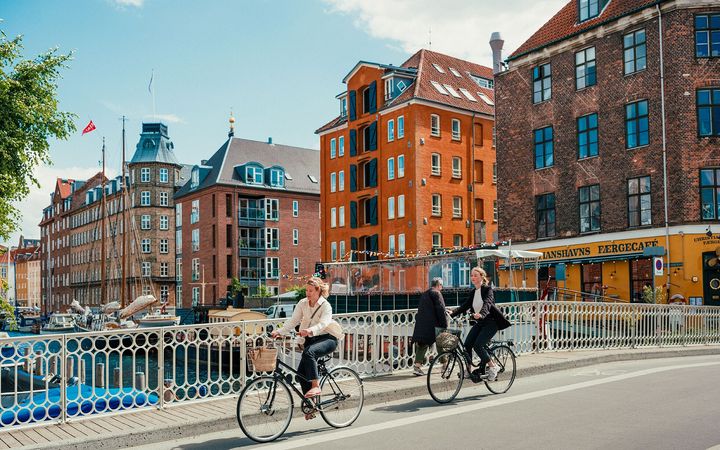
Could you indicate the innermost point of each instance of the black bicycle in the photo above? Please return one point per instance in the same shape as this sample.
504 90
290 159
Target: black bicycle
447 371
265 406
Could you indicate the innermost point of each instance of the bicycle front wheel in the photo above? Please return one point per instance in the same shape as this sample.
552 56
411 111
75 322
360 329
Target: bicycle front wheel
503 356
342 397
264 409
445 377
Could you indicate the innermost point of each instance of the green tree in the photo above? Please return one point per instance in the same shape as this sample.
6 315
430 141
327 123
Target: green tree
29 117
263 291
299 291
236 286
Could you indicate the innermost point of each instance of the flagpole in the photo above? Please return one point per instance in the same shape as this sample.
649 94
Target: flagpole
152 92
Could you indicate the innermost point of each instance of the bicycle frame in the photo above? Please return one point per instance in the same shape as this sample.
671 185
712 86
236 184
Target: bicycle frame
282 369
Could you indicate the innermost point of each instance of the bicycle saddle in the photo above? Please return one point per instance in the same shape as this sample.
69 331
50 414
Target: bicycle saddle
324 359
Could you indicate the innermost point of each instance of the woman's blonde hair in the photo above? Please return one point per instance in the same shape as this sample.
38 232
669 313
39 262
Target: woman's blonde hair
482 273
320 284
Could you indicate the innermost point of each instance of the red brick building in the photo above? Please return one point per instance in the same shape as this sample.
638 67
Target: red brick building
408 165
608 120
250 211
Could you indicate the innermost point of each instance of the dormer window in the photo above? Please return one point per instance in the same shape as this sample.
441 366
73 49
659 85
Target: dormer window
591 8
194 178
253 175
276 178
388 89
343 107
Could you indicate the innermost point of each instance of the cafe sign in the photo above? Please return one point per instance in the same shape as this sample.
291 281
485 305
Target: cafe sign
599 249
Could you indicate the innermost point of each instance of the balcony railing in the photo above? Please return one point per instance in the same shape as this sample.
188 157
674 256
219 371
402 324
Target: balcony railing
252 247
254 273
251 217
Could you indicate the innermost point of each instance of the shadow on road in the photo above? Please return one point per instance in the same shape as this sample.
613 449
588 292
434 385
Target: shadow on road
421 404
242 441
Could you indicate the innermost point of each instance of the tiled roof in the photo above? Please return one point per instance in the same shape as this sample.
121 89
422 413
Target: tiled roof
332 124
564 24
298 163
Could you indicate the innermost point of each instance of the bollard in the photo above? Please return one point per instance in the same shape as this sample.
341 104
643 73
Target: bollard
116 377
100 375
140 381
81 370
37 364
70 368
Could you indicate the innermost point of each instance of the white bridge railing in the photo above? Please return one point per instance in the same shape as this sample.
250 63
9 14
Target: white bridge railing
60 378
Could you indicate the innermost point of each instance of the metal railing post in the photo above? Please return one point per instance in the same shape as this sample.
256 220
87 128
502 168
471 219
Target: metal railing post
63 380
161 367
373 348
243 355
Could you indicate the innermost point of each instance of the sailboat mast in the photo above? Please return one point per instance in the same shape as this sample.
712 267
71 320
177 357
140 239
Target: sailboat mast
102 232
125 197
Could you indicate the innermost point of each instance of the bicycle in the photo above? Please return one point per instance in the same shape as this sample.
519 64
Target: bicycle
265 405
447 371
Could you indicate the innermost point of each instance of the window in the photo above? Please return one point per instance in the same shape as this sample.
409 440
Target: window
455 72
341 181
163 175
708 111
341 146
163 198
145 246
585 68
272 238
295 208
228 235
401 205
333 148
145 198
391 207
195 239
341 216
296 265
195 211
438 68
455 130
164 246
333 251
641 275
333 182
277 178
542 83
164 222
543 139
333 215
436 240
457 167
634 52
391 244
435 164
589 208
587 136
438 87
710 194
391 168
479 172
343 107
639 202
272 267
494 173
195 269
495 211
145 222
272 209
401 127
451 90
163 269
400 166
296 236
391 130
434 125
590 8
636 124
457 207
146 269
388 89
401 243
545 213
145 175
195 296
707 35
468 95
253 175
436 204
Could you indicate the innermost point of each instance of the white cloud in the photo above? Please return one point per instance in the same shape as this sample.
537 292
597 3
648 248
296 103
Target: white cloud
166 118
135 3
459 28
31 207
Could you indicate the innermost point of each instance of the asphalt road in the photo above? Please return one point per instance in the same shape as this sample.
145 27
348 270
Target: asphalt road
658 404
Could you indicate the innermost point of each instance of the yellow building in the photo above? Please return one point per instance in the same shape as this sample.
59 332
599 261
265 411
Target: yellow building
620 264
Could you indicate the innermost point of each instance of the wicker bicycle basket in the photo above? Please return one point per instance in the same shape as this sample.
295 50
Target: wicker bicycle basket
263 359
447 340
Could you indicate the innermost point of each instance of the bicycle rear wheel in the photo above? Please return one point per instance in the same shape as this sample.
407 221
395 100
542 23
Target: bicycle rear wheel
342 397
445 377
505 358
264 409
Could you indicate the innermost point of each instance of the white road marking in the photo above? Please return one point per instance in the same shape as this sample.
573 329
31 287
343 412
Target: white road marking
445 412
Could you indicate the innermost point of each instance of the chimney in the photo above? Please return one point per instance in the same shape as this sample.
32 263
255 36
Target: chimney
203 162
270 140
496 43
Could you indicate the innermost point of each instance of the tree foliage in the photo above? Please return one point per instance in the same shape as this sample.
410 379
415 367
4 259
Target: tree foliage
299 290
29 117
264 291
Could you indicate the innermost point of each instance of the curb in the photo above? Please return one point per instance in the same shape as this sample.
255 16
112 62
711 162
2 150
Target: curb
224 423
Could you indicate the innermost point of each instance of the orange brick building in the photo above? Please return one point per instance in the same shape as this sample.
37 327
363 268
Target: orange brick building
409 164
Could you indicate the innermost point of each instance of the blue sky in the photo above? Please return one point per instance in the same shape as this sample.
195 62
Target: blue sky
277 64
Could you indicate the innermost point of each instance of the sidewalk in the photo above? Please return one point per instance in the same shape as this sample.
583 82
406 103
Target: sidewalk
191 419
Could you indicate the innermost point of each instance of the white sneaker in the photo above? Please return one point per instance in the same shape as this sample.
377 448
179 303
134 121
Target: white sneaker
492 372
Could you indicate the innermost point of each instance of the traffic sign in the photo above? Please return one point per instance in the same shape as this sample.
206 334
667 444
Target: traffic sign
658 266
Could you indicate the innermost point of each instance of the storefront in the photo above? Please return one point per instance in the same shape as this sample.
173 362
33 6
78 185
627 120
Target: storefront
620 265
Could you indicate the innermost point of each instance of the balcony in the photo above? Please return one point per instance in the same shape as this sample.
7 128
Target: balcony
252 247
252 275
251 217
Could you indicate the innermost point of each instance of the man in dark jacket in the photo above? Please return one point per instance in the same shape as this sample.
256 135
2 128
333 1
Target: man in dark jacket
430 314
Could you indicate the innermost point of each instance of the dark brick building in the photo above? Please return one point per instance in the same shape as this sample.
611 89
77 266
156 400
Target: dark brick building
608 124
251 211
